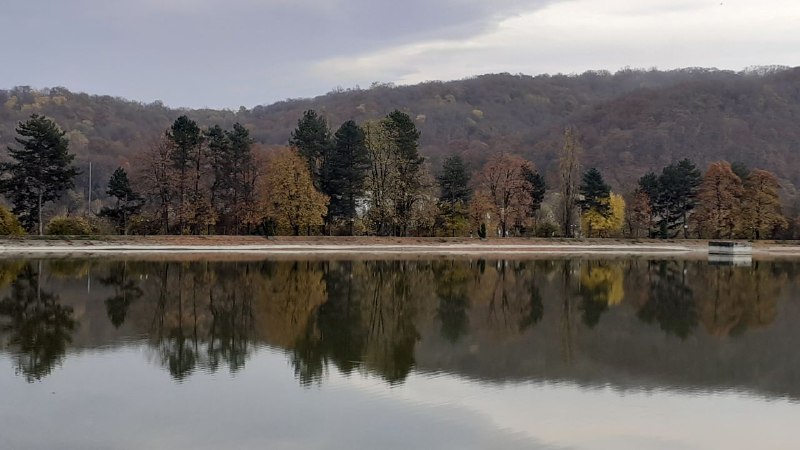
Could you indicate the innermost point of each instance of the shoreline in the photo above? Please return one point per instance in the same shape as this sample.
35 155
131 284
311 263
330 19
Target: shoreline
368 246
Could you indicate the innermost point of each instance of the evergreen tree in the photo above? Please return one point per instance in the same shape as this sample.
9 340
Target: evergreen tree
595 201
233 188
312 139
127 203
219 150
454 181
186 140
536 188
677 195
42 170
405 137
347 171
595 193
455 193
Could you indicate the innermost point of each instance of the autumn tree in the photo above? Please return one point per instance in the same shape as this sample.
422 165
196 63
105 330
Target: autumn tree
380 176
719 200
347 171
156 174
647 192
40 172
504 183
761 208
127 202
569 172
481 213
640 214
609 223
291 201
396 179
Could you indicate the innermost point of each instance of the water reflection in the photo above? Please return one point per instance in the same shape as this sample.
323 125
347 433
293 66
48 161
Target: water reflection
631 323
35 324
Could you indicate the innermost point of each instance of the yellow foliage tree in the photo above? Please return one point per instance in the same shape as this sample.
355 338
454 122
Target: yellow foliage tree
288 195
605 281
606 226
9 224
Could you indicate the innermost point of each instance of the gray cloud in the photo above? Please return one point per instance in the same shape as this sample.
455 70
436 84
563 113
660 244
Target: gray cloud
226 53
218 52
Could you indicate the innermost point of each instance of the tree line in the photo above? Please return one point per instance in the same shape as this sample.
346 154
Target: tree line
370 179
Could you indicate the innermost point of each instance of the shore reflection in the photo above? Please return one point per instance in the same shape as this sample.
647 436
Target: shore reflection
631 323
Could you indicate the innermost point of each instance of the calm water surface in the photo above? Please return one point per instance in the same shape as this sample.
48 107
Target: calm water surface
550 354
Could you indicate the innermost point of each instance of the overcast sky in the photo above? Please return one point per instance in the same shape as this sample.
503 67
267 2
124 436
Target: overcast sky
227 53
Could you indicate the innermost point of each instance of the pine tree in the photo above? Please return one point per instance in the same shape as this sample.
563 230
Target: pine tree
347 171
595 192
127 202
219 151
243 174
42 170
405 137
454 181
312 140
186 140
536 188
677 196
232 191
455 192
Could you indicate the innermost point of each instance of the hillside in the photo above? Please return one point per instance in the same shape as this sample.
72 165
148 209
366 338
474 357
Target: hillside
630 121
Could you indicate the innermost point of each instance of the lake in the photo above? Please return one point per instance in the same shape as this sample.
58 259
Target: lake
570 353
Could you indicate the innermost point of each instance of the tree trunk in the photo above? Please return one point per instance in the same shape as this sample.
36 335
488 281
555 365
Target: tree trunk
41 226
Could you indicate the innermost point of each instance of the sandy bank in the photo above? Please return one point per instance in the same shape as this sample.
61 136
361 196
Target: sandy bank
374 246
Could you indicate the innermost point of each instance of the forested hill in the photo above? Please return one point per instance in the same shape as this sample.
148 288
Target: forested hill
629 122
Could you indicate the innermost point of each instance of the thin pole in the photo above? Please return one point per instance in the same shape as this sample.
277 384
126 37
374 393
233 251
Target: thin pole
89 206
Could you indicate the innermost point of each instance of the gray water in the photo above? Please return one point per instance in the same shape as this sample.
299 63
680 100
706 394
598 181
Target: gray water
440 353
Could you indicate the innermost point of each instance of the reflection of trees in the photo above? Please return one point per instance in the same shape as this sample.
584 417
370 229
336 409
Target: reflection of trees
452 288
671 300
39 327
126 291
601 287
232 320
532 310
732 299
512 291
202 316
367 321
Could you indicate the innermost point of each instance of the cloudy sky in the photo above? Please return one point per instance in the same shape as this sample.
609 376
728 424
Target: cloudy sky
227 53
